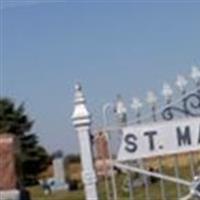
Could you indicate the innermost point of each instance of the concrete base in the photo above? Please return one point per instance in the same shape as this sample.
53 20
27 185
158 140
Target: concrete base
55 184
59 186
10 195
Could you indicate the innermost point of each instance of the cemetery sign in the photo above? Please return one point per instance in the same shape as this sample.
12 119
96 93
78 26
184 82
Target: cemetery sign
160 139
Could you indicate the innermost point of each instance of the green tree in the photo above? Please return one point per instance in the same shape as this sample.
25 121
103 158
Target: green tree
32 158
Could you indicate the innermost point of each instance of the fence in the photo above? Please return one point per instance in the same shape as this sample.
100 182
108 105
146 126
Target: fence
171 170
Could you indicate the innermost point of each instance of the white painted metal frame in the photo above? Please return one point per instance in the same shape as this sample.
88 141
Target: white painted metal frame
82 123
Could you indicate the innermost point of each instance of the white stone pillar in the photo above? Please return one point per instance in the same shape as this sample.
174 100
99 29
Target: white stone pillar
82 123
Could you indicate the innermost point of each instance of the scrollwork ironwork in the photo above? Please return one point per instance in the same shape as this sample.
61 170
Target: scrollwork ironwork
189 106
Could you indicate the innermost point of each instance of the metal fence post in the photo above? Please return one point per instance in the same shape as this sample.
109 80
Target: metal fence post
82 123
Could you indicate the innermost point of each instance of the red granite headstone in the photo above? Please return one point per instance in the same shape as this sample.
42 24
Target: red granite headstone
8 177
101 143
102 154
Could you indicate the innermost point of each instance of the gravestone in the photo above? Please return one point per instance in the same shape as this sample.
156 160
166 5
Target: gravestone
102 163
58 167
8 175
101 144
59 172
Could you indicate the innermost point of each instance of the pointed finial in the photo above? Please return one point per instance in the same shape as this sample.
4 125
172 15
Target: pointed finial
195 74
167 92
80 116
136 104
181 83
78 87
151 98
79 97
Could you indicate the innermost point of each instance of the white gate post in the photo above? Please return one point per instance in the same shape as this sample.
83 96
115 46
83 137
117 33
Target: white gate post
82 123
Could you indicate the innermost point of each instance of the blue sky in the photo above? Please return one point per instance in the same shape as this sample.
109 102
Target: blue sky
111 48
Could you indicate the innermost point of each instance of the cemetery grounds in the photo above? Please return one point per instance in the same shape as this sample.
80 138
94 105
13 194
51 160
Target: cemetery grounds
139 194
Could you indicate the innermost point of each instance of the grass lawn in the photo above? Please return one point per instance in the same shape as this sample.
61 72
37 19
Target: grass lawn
139 193
37 194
